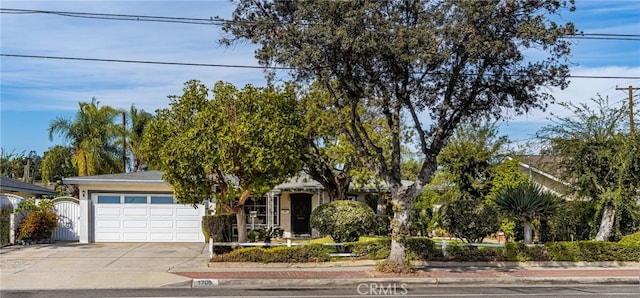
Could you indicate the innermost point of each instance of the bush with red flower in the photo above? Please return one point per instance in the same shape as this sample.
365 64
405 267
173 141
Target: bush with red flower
40 221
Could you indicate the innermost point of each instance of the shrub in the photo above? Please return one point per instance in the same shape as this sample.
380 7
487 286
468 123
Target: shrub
423 249
382 225
218 227
519 252
5 224
593 251
575 221
372 250
40 220
632 239
469 219
471 254
344 221
38 225
283 254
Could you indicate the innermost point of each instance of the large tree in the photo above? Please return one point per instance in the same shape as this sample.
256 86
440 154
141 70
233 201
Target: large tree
138 119
232 146
328 158
527 202
437 62
599 158
470 159
92 134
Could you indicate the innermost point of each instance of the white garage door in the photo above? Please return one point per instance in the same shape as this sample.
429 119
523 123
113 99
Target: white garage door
146 218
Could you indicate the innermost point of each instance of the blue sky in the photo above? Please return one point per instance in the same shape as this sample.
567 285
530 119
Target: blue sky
33 92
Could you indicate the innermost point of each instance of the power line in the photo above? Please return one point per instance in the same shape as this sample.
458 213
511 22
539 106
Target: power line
142 61
215 21
241 66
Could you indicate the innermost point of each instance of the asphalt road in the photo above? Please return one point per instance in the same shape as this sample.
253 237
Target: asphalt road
365 290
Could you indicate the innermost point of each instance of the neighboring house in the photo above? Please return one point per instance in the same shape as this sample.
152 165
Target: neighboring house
12 192
140 207
543 171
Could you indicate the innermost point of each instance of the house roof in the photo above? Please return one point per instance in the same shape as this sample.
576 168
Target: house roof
299 182
545 163
12 185
137 178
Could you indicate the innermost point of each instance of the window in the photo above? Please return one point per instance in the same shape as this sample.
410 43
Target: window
161 200
108 199
135 199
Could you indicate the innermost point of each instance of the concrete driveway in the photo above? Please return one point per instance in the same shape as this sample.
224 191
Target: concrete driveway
99 265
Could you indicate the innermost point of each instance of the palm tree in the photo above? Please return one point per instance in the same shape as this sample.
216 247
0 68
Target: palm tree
91 134
527 202
139 120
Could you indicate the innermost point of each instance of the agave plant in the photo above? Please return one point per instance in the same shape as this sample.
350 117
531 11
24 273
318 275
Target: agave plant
526 201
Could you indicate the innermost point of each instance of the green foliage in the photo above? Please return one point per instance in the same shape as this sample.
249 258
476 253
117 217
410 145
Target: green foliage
422 218
470 254
294 254
5 224
91 134
57 164
593 251
218 227
392 61
470 159
423 248
372 250
382 225
344 221
138 121
600 160
508 227
252 236
631 239
526 202
239 142
506 174
518 251
471 220
574 221
40 220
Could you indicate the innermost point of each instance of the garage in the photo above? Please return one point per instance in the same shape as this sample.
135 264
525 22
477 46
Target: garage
145 218
134 207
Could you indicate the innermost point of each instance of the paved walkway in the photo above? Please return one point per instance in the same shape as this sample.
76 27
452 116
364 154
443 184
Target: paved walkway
153 265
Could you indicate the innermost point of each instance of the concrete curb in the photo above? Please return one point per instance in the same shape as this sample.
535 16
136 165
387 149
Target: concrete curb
414 282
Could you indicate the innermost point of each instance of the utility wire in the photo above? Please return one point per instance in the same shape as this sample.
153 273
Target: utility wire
241 66
215 21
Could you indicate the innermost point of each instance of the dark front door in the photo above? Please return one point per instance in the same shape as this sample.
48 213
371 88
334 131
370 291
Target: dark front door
300 213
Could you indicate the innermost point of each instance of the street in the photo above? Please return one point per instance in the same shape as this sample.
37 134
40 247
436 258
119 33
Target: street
359 291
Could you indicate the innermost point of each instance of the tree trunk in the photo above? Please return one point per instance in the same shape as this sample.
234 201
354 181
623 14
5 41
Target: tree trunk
606 224
527 232
399 231
241 221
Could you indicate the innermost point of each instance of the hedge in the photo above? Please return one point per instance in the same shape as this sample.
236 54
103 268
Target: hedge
593 251
282 254
372 250
424 249
633 239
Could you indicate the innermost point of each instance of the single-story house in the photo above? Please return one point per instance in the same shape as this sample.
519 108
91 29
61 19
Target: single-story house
140 207
543 171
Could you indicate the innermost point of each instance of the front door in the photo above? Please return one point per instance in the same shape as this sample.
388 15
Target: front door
300 214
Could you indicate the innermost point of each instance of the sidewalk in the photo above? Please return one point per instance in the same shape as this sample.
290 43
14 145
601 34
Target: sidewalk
268 276
185 265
